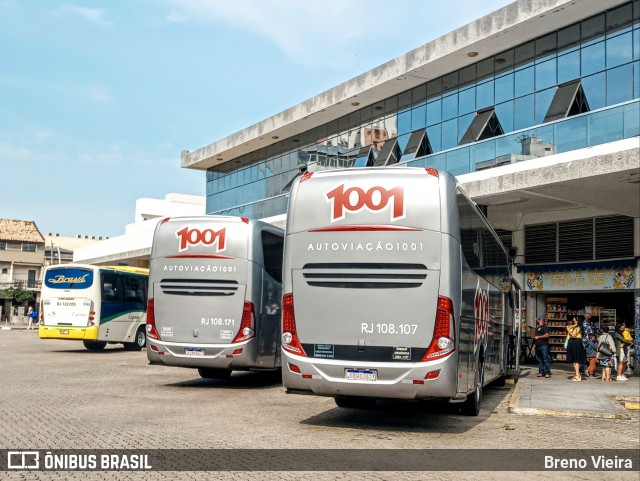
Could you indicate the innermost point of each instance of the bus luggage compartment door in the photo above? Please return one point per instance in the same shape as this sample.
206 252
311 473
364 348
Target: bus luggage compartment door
199 312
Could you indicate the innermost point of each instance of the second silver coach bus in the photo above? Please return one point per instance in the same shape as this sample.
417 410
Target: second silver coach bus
395 286
214 295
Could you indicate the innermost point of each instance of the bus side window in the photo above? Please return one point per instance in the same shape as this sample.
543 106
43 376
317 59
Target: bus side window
272 252
134 291
108 294
111 286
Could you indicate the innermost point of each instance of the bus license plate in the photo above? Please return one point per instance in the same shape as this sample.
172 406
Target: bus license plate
64 331
360 375
194 352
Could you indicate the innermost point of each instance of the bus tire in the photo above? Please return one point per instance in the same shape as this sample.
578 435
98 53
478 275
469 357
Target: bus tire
213 373
140 340
94 345
471 406
354 402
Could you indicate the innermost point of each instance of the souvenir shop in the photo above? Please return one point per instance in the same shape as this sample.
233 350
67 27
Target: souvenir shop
602 291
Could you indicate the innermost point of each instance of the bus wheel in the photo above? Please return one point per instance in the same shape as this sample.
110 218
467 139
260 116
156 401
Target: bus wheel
355 402
139 342
471 406
212 373
94 345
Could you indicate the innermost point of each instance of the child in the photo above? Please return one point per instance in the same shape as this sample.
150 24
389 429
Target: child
591 346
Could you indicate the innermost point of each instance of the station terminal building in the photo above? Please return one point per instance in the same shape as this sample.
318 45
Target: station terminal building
534 107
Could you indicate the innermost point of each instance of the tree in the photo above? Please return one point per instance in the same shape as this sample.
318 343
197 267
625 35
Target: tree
18 295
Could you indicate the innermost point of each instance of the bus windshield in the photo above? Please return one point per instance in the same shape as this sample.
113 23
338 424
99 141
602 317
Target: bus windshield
68 278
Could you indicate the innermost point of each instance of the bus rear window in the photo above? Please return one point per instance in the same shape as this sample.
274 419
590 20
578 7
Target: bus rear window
68 278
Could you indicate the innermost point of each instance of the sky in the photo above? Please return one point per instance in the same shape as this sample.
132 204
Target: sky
98 98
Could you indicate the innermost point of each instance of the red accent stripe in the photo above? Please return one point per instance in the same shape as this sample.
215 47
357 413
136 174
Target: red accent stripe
198 256
346 228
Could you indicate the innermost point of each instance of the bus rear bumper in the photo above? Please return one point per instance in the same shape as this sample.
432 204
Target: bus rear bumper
239 357
68 332
425 380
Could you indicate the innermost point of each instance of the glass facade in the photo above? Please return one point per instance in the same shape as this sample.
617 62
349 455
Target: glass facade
519 84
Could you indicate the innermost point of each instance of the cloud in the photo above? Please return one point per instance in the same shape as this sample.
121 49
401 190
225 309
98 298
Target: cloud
93 15
174 17
98 93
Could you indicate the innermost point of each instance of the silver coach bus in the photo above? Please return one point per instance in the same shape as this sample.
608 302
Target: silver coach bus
215 286
395 286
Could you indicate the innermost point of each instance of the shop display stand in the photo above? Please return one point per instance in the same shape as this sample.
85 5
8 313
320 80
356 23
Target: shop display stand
608 318
556 317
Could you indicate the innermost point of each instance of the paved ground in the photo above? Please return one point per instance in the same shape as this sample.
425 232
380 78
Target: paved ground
559 396
56 395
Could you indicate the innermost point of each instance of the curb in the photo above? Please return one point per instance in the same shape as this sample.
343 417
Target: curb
515 409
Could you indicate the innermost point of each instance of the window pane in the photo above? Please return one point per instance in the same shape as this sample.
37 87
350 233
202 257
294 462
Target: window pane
463 124
504 112
458 161
605 126
485 95
569 67
571 134
434 112
631 120
435 133
449 134
481 152
546 74
592 58
636 80
523 115
619 84
404 122
636 44
450 106
619 50
504 88
418 115
524 81
467 100
595 90
543 101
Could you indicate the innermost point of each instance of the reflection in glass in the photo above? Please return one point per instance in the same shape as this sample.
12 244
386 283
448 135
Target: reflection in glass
524 81
485 95
450 106
467 101
543 101
523 112
504 112
619 50
595 90
504 88
458 161
571 135
449 134
546 74
569 67
434 112
592 58
620 84
418 117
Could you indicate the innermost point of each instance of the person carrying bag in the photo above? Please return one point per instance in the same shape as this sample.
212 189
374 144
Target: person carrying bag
606 355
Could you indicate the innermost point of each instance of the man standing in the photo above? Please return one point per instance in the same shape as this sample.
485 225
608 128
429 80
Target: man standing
541 342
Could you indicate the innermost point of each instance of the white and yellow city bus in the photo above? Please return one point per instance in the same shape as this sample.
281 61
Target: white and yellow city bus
94 304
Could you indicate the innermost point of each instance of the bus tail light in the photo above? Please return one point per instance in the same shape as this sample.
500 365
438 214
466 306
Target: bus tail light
152 332
247 325
290 341
92 318
443 342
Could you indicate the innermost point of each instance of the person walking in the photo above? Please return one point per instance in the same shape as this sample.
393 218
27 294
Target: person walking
575 349
541 343
32 314
606 361
622 350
